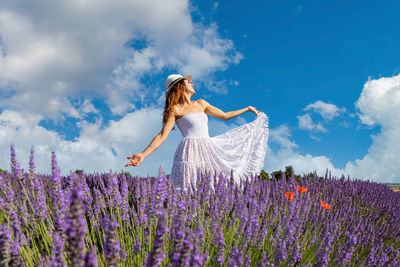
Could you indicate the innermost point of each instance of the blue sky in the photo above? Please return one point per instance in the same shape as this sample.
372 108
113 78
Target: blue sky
300 52
87 81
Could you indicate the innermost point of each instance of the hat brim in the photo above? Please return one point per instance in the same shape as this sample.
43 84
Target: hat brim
187 77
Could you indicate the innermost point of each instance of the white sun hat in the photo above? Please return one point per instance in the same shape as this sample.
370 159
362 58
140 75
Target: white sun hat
174 78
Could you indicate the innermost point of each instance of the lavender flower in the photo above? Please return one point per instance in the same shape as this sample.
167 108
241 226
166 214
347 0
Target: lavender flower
113 190
57 249
91 258
76 229
13 159
177 234
157 253
235 258
16 259
5 241
111 247
247 261
186 251
58 196
264 260
87 196
32 162
124 196
99 202
40 198
219 240
17 170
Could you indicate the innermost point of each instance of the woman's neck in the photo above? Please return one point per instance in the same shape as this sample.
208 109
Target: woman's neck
187 99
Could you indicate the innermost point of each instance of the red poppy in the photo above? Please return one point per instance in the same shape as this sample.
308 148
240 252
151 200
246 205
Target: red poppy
301 189
290 195
325 205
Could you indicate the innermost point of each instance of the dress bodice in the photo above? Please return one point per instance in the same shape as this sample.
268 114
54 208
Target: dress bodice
193 124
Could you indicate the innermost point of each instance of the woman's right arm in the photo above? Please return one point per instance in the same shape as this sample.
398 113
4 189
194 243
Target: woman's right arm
160 138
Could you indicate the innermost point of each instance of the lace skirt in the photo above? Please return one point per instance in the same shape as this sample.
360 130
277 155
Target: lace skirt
240 150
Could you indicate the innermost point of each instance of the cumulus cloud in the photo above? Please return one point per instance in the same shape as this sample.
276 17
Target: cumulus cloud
96 149
379 104
283 151
326 110
306 123
53 52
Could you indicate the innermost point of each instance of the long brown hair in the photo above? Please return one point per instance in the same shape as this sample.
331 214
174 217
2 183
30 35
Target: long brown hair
174 96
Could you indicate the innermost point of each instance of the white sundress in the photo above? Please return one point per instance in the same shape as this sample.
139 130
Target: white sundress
241 149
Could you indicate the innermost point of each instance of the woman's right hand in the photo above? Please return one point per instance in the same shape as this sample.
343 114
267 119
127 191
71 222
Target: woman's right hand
135 160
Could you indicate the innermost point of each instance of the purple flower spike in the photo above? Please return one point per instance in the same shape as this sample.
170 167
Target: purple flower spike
99 202
113 190
57 248
264 260
13 159
157 254
32 162
5 242
111 247
76 228
16 259
186 250
219 239
124 196
91 258
15 167
235 258
40 198
58 196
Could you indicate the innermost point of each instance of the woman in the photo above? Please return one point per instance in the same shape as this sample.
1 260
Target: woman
240 150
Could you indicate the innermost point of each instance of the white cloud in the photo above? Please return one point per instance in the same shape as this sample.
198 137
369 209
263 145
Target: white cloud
327 111
379 104
93 150
55 52
285 153
306 123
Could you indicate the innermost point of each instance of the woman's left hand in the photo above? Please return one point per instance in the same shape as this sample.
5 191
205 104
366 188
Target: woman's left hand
253 109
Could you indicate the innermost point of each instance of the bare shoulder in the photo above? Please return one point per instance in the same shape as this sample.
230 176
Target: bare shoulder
174 111
203 103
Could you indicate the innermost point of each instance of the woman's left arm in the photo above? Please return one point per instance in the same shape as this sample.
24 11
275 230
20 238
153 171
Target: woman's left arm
217 113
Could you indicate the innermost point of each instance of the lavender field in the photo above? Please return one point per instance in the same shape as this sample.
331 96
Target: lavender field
113 219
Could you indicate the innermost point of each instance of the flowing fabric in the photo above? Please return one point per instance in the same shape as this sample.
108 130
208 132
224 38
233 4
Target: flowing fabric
240 150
